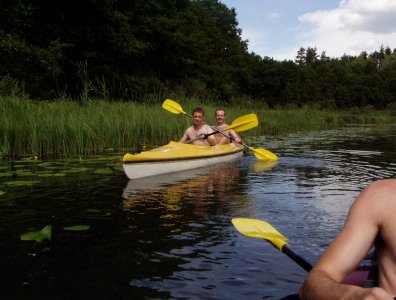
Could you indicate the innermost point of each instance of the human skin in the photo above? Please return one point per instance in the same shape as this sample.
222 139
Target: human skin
197 130
371 220
220 124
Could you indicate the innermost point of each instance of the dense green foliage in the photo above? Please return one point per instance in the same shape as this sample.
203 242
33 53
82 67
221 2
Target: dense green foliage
67 128
131 50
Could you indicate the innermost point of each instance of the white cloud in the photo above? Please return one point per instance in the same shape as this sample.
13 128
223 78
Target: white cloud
353 27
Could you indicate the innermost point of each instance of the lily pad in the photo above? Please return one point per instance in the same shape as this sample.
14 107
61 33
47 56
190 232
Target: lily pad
38 236
51 165
93 210
77 227
47 174
6 174
19 166
22 183
117 167
59 174
23 173
75 170
103 171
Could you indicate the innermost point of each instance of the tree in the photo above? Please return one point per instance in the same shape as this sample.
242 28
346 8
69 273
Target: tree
301 56
324 57
311 56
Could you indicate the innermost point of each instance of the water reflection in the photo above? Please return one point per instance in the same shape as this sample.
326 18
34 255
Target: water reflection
153 183
194 186
259 166
187 215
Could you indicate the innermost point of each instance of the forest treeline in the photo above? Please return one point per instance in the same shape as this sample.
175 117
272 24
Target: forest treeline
119 49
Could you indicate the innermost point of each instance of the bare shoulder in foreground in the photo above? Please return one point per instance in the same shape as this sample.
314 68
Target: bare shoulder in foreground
371 220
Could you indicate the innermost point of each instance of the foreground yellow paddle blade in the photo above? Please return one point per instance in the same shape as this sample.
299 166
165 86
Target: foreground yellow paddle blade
264 154
244 123
260 229
173 107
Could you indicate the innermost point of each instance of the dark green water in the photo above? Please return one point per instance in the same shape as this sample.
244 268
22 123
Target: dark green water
170 237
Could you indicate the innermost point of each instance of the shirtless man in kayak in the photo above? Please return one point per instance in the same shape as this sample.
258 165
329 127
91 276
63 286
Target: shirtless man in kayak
220 139
197 133
371 220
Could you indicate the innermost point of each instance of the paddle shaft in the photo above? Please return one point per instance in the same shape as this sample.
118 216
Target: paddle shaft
297 258
214 132
231 138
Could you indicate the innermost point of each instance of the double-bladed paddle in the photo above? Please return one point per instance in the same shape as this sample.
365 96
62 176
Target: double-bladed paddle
261 229
243 123
240 124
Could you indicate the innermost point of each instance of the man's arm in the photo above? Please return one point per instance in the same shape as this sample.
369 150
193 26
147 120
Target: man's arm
210 138
319 285
346 252
234 136
185 137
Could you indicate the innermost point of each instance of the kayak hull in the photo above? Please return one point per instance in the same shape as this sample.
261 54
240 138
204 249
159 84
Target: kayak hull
175 157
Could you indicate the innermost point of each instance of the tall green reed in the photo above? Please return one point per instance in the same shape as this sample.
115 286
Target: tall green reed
77 128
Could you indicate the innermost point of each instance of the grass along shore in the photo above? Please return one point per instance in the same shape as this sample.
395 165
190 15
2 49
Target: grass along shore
77 128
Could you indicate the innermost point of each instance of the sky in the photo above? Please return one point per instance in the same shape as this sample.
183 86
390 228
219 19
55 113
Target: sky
278 28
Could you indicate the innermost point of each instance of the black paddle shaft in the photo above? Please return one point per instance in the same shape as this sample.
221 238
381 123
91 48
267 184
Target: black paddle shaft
297 258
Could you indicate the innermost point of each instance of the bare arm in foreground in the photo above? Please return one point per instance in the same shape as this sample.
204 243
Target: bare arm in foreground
370 219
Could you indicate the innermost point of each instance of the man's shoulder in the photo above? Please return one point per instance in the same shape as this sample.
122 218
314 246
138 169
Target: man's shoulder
382 190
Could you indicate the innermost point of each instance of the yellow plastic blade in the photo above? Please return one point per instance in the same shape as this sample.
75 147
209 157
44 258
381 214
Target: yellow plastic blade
260 229
244 123
264 154
173 107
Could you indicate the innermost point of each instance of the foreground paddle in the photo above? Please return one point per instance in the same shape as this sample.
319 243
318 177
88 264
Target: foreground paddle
242 122
264 230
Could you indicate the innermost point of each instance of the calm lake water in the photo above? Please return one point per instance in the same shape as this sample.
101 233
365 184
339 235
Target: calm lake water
171 237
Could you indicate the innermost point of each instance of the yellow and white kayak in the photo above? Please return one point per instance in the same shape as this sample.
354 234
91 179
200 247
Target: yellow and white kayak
175 157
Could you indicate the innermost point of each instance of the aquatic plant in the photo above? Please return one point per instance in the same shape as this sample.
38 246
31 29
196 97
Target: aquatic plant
38 236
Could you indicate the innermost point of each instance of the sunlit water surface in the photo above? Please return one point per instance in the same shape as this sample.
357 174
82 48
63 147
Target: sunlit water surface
171 237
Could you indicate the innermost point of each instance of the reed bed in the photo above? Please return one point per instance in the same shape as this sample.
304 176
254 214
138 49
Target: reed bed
79 128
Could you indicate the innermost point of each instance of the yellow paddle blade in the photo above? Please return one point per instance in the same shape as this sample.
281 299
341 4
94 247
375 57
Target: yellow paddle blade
244 123
260 229
264 154
173 107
